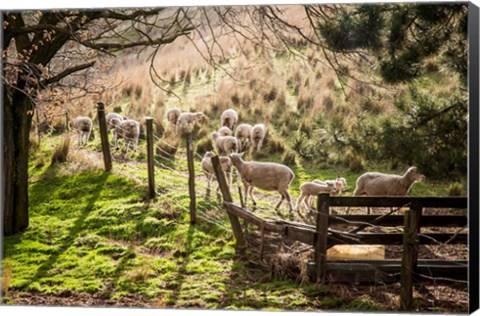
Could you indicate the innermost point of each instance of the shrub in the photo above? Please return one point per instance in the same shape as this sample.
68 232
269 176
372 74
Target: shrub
270 95
276 145
204 145
353 161
288 157
60 152
455 189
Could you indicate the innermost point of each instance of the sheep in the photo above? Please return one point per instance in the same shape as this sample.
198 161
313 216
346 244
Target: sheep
113 119
258 135
243 133
186 122
382 184
172 116
225 131
339 183
129 130
309 189
229 118
225 144
268 176
207 168
83 126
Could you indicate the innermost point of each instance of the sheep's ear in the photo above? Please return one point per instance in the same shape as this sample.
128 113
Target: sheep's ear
241 154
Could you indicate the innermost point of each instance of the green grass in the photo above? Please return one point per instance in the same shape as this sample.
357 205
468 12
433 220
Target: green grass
95 233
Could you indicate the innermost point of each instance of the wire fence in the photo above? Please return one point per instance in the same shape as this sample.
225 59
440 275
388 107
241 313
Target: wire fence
171 171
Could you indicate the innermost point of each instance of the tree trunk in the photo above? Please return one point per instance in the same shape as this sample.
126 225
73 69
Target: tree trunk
16 130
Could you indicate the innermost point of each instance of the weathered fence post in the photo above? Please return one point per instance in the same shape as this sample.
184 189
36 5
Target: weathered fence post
222 183
150 161
409 256
107 158
323 206
191 178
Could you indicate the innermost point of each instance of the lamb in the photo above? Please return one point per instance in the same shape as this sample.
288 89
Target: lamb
225 144
229 118
381 184
207 168
172 116
83 126
243 134
186 122
309 189
225 131
129 130
339 185
266 176
258 135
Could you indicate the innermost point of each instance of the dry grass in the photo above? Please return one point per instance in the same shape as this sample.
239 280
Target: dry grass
60 152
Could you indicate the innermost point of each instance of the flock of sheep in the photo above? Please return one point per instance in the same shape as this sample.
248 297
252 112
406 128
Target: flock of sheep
232 140
120 126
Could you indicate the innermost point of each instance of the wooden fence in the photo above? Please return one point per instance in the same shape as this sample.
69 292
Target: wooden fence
322 237
107 157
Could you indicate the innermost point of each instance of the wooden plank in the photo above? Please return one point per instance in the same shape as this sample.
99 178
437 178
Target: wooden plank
320 244
397 220
301 234
150 158
107 157
388 270
191 178
397 239
389 201
227 201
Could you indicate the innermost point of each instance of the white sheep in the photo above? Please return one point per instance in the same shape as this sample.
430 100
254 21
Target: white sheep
114 120
382 184
83 126
225 144
129 130
340 184
186 122
172 116
309 189
259 131
243 133
225 131
207 168
268 176
229 118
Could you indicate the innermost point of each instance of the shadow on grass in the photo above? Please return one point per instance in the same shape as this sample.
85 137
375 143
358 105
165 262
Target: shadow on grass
68 240
182 269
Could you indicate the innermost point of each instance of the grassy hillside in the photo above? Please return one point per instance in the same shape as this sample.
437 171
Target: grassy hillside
95 239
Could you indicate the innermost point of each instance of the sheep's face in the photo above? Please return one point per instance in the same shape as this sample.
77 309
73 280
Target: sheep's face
413 175
236 157
209 154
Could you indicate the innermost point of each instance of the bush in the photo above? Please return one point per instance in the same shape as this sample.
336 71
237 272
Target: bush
204 145
455 189
276 144
60 152
354 162
288 158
